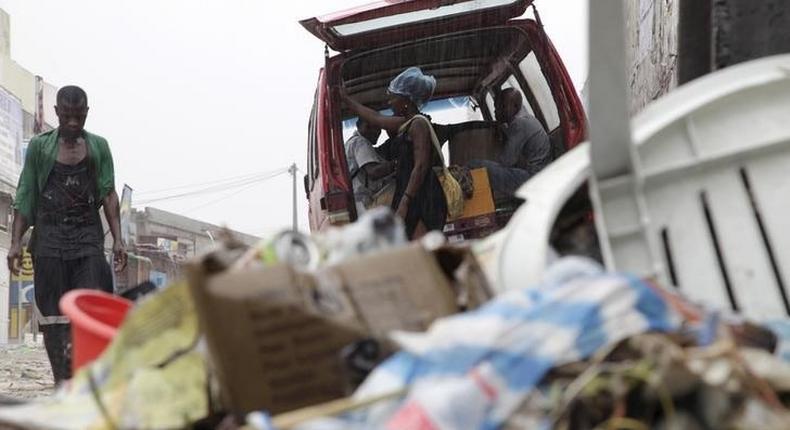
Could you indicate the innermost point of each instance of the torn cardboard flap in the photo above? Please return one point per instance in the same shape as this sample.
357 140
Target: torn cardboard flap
275 334
470 283
403 289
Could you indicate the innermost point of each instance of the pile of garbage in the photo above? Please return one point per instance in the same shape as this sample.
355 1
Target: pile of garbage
358 329
662 381
584 350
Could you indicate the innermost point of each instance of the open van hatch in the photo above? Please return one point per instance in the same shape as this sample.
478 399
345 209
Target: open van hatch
392 21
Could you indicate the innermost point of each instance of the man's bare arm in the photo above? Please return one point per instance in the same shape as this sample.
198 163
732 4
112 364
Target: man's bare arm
112 211
20 226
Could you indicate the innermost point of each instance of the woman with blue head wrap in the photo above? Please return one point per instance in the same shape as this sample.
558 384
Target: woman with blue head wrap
413 85
419 198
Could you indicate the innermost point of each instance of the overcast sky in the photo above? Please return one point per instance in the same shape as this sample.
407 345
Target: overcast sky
190 91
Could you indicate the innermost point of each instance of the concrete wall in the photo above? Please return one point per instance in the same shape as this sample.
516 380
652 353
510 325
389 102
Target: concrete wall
727 31
749 29
651 41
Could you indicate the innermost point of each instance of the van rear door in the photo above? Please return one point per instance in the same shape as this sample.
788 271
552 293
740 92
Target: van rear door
388 22
330 199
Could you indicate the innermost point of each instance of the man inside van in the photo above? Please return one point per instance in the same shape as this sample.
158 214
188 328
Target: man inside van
370 172
526 150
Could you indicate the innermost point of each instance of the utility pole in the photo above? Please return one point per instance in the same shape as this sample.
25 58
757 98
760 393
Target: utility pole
292 170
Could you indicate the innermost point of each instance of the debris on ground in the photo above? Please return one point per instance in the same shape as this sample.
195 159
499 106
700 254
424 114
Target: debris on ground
584 350
285 336
358 330
24 371
152 375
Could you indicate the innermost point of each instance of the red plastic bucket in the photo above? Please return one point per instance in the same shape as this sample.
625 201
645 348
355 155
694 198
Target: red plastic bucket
95 317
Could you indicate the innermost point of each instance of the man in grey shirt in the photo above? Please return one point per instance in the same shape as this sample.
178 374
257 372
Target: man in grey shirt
369 170
527 148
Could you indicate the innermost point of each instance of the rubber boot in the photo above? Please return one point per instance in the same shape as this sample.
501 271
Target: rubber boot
57 342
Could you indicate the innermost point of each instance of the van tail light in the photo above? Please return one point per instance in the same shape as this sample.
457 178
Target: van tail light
336 204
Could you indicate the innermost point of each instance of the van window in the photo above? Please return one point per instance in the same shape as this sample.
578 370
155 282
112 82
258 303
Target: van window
442 111
436 13
539 87
490 103
350 126
453 110
312 151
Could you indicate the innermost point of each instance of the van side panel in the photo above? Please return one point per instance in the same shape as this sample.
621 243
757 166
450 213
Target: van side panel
340 196
572 116
317 157
312 165
332 197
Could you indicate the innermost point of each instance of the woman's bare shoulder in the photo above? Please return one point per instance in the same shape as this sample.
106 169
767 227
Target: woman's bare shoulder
418 127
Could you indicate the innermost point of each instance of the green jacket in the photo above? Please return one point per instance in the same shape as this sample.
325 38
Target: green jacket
39 160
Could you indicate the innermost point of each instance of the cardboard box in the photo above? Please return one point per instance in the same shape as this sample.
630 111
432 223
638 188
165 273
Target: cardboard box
479 217
275 334
403 289
482 201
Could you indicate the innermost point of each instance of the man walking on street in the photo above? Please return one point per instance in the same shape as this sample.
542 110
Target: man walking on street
68 174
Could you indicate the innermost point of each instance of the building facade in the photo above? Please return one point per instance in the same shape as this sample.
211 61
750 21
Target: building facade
26 107
160 241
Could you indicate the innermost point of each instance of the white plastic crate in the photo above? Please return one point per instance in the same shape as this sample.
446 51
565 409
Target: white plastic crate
706 203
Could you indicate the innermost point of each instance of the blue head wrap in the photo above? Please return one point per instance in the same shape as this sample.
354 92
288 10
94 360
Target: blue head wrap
414 85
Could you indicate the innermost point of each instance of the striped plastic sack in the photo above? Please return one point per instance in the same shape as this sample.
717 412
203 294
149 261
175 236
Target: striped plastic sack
473 370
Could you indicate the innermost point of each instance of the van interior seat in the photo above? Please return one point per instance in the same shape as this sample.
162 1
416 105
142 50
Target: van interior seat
473 140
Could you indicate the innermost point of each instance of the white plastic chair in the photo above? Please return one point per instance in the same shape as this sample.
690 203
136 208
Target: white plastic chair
696 196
